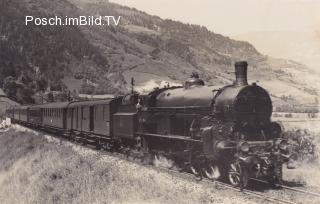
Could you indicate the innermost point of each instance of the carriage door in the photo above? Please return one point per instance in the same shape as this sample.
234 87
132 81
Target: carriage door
63 115
72 117
91 117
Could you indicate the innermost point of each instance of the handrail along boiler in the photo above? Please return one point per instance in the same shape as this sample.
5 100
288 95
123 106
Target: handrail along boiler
213 131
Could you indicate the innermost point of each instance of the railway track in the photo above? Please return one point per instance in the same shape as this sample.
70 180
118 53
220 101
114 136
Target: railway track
260 195
293 191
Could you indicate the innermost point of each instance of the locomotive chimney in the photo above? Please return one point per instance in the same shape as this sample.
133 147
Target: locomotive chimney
241 73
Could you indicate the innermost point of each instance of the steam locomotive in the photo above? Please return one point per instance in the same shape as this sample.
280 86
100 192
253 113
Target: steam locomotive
211 131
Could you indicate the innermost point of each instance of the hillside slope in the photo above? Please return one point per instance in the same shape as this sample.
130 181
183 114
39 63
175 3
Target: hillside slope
151 48
39 57
34 169
303 47
99 59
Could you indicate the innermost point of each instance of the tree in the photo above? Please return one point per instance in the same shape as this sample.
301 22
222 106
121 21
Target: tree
10 87
42 84
50 97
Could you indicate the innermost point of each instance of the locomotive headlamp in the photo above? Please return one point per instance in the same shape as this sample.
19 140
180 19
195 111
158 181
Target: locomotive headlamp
244 146
282 144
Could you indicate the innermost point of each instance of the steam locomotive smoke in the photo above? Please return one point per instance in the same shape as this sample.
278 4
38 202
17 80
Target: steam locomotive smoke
216 173
162 161
152 84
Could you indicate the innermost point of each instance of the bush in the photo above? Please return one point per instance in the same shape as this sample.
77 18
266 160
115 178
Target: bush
302 144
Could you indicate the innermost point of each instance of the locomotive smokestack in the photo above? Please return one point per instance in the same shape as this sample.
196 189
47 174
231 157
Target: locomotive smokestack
241 73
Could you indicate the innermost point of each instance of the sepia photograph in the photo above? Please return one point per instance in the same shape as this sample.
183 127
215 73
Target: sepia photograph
159 101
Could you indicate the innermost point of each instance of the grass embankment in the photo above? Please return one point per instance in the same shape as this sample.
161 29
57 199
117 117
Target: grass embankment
38 169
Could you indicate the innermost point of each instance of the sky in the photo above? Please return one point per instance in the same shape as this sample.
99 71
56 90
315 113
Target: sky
233 17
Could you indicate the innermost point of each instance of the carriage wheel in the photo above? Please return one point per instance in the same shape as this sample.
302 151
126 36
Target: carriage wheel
99 145
237 175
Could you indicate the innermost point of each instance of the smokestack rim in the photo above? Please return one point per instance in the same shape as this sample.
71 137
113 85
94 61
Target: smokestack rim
241 64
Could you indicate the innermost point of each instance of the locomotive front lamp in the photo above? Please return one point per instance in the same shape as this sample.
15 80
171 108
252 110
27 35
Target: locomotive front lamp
244 146
282 144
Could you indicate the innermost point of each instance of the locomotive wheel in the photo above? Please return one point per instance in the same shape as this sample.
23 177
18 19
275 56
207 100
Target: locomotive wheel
194 171
237 175
212 172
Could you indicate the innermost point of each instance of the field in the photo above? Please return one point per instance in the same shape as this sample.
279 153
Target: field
298 121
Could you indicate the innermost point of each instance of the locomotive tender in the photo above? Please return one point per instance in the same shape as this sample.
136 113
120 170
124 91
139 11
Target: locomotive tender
212 131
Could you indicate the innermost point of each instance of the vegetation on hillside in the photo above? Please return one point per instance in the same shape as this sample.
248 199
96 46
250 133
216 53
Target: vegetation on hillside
36 168
36 58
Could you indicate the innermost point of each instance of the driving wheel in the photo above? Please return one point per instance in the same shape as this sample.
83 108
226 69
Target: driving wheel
237 175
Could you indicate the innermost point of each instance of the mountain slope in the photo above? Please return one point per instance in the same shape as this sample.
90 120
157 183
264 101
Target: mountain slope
100 59
33 54
303 47
152 48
